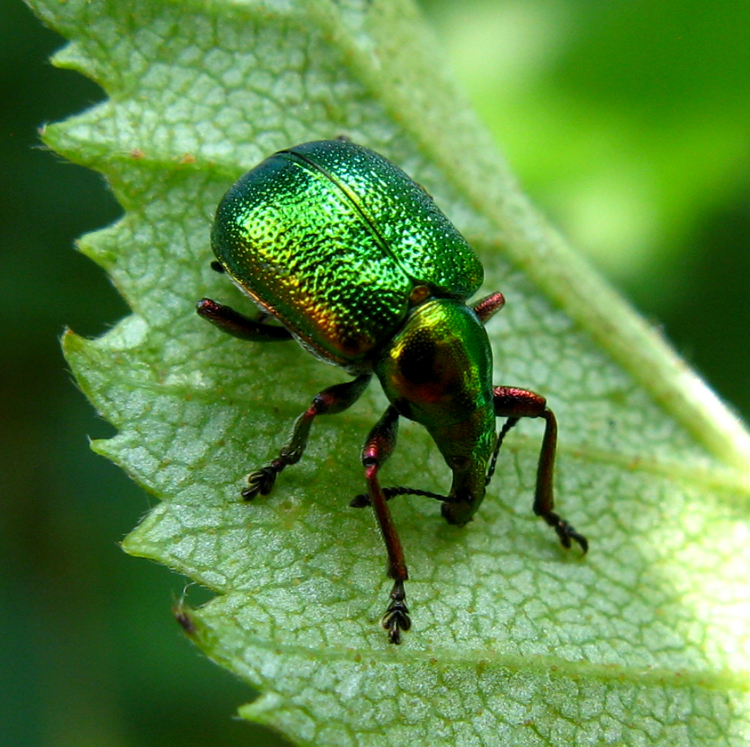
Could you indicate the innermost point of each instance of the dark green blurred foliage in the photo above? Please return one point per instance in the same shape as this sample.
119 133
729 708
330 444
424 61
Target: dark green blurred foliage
634 112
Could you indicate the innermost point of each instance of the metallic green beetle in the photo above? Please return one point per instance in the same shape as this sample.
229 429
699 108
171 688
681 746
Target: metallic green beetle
362 268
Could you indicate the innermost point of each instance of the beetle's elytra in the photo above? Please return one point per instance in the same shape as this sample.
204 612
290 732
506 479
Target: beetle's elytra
362 268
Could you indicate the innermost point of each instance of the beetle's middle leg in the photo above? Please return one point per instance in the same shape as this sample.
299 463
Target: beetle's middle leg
378 447
330 401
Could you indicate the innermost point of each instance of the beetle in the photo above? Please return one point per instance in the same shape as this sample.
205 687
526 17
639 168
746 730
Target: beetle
360 266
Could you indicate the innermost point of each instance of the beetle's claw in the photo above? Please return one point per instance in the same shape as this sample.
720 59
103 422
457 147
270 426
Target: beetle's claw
260 482
396 617
566 533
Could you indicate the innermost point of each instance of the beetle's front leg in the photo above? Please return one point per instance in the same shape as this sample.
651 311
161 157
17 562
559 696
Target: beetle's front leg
378 447
330 401
514 403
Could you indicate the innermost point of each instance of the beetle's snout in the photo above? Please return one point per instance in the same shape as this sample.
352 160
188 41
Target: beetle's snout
459 513
466 495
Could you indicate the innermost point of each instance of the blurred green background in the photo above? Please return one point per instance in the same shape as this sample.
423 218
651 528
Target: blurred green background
627 122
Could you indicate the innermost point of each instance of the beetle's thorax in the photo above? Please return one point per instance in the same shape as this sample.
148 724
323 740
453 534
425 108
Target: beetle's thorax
437 370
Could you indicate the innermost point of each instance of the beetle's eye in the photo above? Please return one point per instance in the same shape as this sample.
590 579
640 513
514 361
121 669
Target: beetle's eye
458 462
417 362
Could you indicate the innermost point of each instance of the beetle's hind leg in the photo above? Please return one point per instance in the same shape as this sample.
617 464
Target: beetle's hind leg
238 325
330 401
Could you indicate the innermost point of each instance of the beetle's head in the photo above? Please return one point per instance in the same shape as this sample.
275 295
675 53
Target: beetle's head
437 370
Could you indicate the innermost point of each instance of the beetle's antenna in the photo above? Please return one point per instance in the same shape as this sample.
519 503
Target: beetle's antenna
507 425
362 500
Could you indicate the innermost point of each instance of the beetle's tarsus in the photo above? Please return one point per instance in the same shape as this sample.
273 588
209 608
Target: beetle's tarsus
261 481
396 617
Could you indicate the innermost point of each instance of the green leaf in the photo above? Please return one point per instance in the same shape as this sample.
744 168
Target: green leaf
515 641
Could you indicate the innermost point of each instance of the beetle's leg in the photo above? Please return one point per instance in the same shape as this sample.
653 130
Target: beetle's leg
330 401
238 325
485 307
514 403
378 447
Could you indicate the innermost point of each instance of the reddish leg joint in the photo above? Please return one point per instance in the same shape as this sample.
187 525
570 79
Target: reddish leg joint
485 307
